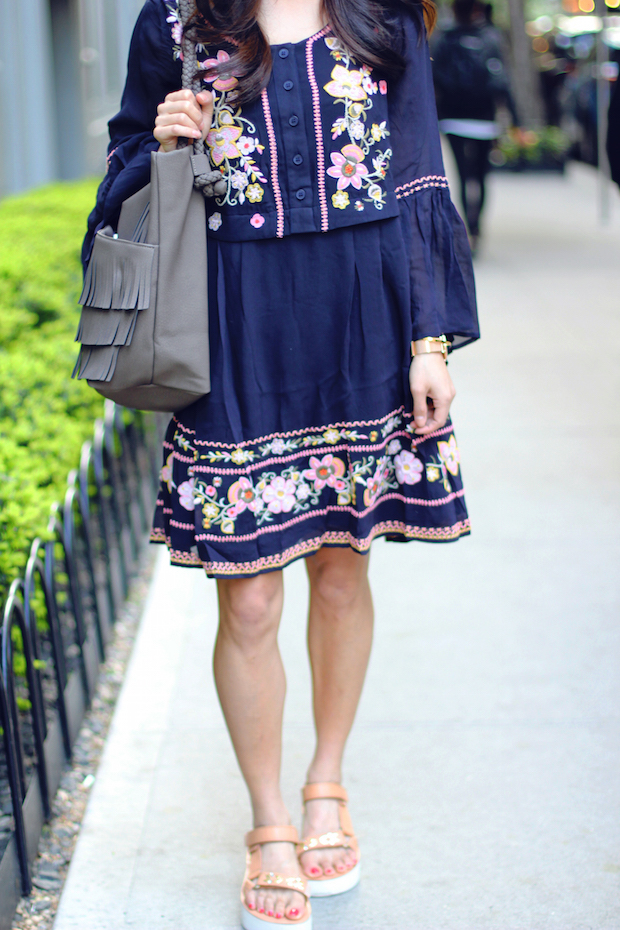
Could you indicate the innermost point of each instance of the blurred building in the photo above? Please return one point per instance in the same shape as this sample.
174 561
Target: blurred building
62 69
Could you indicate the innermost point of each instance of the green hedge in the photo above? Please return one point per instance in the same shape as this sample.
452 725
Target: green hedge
44 415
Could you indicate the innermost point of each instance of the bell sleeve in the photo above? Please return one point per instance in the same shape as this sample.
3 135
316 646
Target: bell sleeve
153 71
443 296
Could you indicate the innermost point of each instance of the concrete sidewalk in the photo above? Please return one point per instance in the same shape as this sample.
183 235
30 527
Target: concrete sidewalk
484 768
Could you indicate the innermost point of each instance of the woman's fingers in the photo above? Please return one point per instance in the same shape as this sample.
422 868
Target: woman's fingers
420 407
183 114
206 100
432 391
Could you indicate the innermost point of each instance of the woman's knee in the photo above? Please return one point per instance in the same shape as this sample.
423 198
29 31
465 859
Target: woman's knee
337 576
250 608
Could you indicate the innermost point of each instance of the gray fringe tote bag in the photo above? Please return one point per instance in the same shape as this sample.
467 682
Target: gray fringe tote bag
144 326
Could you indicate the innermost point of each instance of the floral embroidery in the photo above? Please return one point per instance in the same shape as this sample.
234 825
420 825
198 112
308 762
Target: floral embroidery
345 83
166 473
186 494
347 167
284 475
354 88
232 142
219 81
174 18
341 200
408 468
257 221
254 193
215 221
448 461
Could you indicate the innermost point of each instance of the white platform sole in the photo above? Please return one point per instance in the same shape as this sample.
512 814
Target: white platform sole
250 921
339 885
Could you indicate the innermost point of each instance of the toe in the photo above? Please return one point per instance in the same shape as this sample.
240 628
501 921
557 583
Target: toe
326 866
260 902
311 867
296 907
280 907
270 904
250 900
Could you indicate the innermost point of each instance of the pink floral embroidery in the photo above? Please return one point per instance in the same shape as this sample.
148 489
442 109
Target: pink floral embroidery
219 81
221 140
279 495
243 495
378 483
345 83
276 481
186 494
450 455
166 473
408 468
347 167
257 221
383 87
326 471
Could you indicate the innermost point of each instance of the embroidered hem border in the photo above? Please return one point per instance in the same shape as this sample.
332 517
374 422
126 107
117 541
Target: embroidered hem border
310 546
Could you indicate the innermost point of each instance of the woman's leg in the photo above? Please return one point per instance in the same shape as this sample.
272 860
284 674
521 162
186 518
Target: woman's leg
339 640
251 686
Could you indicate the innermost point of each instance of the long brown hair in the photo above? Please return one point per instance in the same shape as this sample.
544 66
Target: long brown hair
367 28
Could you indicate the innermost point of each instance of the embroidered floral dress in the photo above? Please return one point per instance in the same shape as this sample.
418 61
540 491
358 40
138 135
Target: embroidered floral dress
334 245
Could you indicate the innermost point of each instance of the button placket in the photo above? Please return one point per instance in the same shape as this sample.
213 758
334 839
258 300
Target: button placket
287 84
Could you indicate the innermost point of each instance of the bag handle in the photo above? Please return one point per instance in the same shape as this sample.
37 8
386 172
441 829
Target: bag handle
206 180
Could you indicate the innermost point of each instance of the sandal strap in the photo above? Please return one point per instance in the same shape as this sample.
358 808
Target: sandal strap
276 880
330 791
324 791
262 835
324 841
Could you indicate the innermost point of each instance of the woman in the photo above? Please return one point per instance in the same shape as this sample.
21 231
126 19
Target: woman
333 246
470 80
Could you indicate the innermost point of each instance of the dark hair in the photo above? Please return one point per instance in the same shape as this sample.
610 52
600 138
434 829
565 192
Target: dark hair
367 28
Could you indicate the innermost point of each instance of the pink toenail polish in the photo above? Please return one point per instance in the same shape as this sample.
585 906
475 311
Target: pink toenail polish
279 916
315 871
340 868
251 906
269 913
294 912
261 910
329 871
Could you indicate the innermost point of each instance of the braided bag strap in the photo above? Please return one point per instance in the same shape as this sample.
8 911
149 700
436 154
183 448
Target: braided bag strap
209 182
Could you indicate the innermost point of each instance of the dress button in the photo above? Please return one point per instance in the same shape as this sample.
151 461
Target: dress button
298 160
293 121
301 195
283 53
288 85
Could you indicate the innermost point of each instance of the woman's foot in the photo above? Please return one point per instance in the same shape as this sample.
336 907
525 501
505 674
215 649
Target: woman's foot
322 817
280 858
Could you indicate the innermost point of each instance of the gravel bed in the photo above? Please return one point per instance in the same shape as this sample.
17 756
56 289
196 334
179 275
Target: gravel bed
60 834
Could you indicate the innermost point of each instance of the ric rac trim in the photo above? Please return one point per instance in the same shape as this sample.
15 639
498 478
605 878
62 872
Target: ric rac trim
411 187
318 127
392 528
273 152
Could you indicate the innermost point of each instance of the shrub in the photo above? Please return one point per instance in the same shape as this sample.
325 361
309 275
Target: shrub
44 415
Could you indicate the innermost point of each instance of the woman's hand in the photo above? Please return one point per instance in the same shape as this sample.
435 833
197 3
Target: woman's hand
183 114
432 390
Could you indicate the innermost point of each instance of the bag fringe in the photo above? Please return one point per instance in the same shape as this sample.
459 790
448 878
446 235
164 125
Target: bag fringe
118 276
96 363
106 327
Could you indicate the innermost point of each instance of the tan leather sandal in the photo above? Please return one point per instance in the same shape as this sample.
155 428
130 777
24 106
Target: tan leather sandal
255 878
345 837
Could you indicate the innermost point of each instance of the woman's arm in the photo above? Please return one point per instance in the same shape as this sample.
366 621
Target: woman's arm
152 74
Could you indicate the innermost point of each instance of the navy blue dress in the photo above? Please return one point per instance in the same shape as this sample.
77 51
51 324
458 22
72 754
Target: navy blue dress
335 245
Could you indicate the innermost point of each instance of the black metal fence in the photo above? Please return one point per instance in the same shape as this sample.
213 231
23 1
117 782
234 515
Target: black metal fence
57 622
